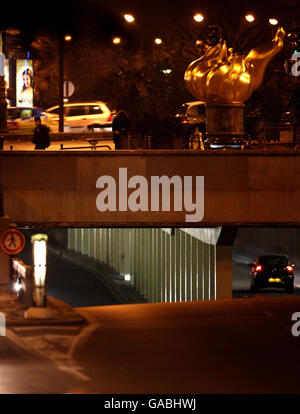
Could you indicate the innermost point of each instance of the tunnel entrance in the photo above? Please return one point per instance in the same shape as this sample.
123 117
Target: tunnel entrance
252 242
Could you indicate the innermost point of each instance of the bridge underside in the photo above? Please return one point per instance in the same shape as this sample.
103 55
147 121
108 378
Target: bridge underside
240 188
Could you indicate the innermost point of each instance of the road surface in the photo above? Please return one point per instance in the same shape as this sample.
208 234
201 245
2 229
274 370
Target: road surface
225 346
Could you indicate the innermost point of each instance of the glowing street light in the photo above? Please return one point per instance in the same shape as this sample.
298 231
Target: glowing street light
116 40
158 41
68 38
39 253
250 18
129 18
198 17
273 22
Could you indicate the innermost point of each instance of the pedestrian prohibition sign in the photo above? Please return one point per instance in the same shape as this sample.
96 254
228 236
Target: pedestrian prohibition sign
12 241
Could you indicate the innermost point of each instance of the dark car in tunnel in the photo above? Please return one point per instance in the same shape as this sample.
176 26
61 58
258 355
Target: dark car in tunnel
272 271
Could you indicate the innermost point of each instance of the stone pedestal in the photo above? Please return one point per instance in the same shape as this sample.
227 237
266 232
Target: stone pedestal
225 124
4 259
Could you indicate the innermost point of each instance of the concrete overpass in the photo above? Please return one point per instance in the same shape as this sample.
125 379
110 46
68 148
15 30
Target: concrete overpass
241 188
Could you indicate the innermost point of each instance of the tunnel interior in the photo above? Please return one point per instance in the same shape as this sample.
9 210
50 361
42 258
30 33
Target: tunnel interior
80 266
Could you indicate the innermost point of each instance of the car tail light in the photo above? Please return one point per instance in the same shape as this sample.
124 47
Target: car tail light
290 268
258 268
111 117
184 121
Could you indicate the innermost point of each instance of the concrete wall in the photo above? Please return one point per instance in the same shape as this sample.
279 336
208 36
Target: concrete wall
164 265
241 188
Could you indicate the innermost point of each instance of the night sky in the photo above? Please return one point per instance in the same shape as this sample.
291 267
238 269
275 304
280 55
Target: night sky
103 18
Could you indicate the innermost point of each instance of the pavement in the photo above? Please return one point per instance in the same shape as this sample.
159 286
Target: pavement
63 314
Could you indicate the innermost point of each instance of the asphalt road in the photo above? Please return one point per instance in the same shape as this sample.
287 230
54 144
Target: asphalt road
70 283
23 372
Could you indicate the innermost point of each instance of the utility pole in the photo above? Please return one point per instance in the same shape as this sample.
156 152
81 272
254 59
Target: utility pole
61 84
3 113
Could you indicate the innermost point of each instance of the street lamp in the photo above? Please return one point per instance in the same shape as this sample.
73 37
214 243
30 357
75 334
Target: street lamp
158 41
129 18
198 17
250 18
273 21
3 104
66 38
116 40
39 253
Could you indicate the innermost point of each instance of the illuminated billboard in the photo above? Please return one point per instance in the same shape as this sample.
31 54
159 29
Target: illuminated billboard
24 84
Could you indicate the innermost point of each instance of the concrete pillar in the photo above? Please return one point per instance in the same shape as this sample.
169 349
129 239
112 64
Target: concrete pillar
97 250
177 265
200 267
173 266
223 272
188 267
212 272
194 269
85 241
167 267
91 234
78 239
183 265
206 270
4 259
71 239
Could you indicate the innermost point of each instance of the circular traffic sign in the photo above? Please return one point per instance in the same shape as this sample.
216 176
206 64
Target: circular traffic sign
12 241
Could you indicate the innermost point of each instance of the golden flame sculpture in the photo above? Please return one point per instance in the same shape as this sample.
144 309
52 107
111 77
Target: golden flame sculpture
221 77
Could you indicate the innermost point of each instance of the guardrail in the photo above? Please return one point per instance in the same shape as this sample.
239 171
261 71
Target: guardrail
60 136
22 281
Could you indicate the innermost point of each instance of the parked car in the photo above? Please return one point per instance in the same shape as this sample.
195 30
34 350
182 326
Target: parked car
192 113
190 116
78 116
21 119
272 271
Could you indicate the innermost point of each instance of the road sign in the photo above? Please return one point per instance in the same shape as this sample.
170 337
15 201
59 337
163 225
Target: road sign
69 89
12 241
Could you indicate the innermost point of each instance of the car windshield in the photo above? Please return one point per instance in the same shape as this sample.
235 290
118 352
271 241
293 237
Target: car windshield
279 261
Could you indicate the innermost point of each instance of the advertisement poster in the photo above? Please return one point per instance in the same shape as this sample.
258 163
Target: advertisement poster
24 82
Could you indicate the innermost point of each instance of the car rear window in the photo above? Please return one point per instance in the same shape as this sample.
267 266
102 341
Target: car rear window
273 261
78 110
95 110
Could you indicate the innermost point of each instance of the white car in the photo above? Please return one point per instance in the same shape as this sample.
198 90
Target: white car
78 116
